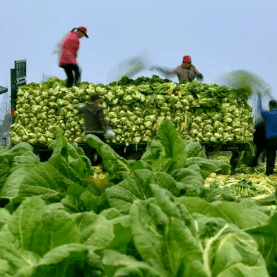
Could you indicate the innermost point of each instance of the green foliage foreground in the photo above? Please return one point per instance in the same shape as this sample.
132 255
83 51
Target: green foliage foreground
154 218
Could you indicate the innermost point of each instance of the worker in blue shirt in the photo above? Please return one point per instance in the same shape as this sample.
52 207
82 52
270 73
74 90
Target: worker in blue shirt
271 133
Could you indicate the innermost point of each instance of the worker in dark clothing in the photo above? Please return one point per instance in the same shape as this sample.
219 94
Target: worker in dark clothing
186 72
259 142
271 133
95 124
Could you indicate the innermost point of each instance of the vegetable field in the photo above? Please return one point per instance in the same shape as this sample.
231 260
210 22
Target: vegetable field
169 214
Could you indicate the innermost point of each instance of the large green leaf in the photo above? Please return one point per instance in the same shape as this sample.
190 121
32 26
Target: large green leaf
148 223
195 149
74 156
4 217
266 238
229 251
79 199
172 207
156 156
26 160
165 235
184 251
17 258
20 149
129 266
5 268
43 179
122 234
67 165
190 180
243 214
207 166
35 228
63 261
5 166
166 152
111 213
137 186
96 231
20 156
63 166
216 249
117 167
24 221
55 228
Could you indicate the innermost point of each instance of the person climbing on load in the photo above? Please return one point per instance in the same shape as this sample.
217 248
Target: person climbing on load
68 48
95 123
270 118
186 72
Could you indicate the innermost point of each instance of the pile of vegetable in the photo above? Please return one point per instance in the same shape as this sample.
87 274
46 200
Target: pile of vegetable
134 109
243 185
152 217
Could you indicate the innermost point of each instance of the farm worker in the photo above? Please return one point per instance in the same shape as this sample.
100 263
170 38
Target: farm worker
95 123
270 133
186 72
68 48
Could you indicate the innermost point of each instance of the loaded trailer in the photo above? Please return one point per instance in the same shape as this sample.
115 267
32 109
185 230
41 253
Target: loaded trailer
135 151
128 151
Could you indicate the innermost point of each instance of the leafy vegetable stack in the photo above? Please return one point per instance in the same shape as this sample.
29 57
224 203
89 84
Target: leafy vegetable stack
134 109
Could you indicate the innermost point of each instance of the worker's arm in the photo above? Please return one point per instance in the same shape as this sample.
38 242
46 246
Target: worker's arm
164 70
198 75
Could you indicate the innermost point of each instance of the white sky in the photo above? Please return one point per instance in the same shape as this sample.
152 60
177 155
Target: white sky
220 35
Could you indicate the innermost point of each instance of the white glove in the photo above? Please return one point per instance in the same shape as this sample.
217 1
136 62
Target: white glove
110 133
81 105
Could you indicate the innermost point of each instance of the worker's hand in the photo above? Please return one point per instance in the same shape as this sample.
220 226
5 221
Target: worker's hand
81 105
110 133
200 77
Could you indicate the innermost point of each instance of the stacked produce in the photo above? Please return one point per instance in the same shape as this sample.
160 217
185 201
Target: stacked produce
134 109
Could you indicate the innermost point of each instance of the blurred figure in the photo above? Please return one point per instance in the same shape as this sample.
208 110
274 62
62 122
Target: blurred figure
271 133
186 72
245 80
259 142
95 124
130 66
68 48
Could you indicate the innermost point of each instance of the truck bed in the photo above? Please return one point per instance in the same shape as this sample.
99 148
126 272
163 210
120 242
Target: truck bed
135 151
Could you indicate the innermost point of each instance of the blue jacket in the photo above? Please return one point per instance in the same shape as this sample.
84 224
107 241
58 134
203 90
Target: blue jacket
270 120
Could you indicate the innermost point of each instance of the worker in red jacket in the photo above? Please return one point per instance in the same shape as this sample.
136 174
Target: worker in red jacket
68 48
186 72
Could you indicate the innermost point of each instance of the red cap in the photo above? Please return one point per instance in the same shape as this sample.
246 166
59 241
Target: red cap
187 59
84 30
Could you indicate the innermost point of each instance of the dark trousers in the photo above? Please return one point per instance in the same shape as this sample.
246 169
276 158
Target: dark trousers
259 141
259 151
90 152
73 74
271 148
234 158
